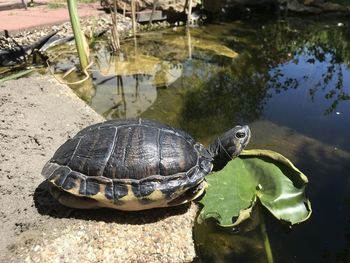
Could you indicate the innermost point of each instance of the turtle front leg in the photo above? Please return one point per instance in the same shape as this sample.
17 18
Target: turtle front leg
190 194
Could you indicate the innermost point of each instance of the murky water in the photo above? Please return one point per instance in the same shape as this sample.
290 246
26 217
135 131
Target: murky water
288 79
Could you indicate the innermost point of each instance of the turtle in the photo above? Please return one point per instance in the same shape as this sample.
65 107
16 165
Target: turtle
136 164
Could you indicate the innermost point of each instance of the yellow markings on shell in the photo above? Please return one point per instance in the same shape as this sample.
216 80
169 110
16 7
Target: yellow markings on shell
156 195
130 196
100 196
73 191
130 202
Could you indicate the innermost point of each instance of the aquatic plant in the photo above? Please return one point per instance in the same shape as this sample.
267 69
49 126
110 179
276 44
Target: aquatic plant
115 43
256 177
133 17
80 41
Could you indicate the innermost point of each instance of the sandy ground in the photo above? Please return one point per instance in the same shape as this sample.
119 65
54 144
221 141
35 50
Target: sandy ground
36 116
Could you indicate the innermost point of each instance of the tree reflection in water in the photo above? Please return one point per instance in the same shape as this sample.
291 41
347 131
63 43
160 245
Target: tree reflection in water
274 58
324 50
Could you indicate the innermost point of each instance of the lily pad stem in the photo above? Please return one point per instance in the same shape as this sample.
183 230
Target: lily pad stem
265 237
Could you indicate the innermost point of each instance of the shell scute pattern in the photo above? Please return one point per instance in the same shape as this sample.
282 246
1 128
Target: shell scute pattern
92 152
65 152
72 181
134 155
126 160
119 191
109 191
92 186
128 151
144 189
60 175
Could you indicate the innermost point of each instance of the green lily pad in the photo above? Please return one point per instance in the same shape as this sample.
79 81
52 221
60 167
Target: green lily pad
261 175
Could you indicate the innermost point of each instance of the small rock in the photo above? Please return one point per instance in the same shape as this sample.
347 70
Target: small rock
36 248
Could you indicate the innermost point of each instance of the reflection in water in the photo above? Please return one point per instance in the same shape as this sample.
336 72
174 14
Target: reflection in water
289 79
322 70
311 76
123 96
136 78
328 171
219 245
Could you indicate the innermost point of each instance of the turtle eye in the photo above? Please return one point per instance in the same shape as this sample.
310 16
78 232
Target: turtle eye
240 135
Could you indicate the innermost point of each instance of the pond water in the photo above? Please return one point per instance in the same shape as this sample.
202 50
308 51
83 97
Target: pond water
289 79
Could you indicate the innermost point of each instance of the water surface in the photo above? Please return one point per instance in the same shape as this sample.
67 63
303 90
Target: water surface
289 79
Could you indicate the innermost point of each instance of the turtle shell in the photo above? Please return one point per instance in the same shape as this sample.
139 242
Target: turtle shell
129 164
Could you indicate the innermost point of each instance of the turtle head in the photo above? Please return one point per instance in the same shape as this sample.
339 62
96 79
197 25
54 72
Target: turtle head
229 145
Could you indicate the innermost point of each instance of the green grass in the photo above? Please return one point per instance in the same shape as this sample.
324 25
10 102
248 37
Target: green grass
62 3
88 1
55 5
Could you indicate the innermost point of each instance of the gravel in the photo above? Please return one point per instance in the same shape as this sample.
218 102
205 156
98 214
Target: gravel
90 26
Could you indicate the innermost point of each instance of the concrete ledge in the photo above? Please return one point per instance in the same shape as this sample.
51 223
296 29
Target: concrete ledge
37 115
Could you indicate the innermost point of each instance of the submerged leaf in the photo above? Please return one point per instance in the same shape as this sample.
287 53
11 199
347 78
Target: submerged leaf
261 174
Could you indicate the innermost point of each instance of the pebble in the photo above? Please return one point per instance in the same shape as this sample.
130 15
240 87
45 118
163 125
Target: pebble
36 248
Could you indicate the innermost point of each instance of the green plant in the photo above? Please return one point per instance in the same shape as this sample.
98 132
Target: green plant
80 41
55 5
17 75
256 178
255 175
88 1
